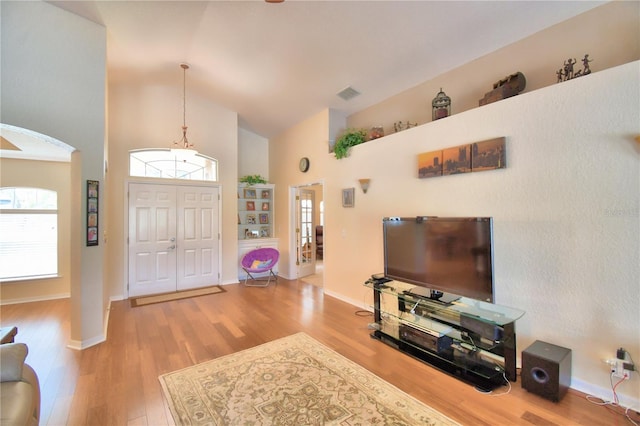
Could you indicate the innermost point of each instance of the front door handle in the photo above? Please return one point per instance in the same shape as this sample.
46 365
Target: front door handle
171 247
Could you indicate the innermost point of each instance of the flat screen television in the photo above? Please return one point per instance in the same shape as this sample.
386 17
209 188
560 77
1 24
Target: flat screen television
452 255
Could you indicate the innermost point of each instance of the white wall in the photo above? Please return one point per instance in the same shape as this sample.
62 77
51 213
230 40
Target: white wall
253 154
142 115
566 211
53 82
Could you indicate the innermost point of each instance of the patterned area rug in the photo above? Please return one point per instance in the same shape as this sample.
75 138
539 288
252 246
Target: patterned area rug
291 381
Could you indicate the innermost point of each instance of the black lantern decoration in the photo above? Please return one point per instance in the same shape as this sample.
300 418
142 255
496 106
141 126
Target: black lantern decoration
441 106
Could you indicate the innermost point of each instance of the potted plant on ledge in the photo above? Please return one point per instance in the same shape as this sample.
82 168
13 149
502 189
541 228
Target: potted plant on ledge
252 179
351 137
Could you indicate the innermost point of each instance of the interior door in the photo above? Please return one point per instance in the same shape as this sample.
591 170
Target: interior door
173 238
306 227
197 237
152 239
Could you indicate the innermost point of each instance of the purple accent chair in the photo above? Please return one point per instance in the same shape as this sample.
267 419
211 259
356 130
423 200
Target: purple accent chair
258 261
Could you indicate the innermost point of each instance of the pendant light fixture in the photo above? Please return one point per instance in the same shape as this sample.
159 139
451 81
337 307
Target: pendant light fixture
182 148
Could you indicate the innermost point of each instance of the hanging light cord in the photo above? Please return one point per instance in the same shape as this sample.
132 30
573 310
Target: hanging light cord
184 96
185 141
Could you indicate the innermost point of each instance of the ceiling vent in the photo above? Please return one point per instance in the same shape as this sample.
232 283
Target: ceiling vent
348 93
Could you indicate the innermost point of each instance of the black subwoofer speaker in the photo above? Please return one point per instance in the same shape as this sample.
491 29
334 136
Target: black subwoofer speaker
546 370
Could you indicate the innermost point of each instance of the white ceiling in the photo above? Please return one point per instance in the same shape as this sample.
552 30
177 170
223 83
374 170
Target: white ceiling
277 64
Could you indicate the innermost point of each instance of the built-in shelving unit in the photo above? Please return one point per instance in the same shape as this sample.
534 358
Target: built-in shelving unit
255 220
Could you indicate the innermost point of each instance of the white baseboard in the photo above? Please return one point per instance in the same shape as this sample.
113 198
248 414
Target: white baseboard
84 344
35 299
606 394
355 303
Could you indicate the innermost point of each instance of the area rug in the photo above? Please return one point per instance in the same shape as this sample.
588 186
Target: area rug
293 381
157 298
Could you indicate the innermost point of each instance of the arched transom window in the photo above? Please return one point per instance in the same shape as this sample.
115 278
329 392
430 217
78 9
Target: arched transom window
165 164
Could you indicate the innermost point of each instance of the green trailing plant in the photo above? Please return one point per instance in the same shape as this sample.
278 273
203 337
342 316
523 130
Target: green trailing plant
252 179
351 137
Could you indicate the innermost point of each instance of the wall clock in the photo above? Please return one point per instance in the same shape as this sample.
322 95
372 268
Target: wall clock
304 164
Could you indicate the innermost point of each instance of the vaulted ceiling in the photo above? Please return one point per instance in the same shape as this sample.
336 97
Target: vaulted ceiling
277 64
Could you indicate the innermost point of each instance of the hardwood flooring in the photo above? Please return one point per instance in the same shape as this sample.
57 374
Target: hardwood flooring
116 382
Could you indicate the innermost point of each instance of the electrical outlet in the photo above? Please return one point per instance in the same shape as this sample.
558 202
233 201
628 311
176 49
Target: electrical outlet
622 365
618 370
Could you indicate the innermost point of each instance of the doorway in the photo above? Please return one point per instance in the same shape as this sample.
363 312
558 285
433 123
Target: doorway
308 216
173 237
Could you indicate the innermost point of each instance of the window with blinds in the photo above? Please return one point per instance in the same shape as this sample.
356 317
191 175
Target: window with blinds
28 233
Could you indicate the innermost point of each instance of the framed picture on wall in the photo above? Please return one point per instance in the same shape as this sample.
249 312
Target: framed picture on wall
92 212
251 205
488 155
264 218
456 160
430 164
348 196
249 193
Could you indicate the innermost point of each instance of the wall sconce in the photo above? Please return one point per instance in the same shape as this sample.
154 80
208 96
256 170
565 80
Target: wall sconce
364 184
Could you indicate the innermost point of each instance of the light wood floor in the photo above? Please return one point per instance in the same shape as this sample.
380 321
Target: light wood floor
116 382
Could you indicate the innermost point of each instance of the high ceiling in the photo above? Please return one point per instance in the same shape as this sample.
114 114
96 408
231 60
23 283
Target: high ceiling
277 64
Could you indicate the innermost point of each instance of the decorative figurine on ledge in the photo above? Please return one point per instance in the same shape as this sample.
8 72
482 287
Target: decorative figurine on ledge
567 73
376 132
509 86
441 105
400 126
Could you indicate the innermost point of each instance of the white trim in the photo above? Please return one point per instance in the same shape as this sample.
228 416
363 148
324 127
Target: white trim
347 300
79 345
35 299
29 278
606 394
291 271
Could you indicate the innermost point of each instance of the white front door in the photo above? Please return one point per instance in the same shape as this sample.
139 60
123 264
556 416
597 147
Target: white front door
173 238
306 237
197 248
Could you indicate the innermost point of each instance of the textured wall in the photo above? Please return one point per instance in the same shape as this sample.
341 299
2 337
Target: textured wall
566 210
53 82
